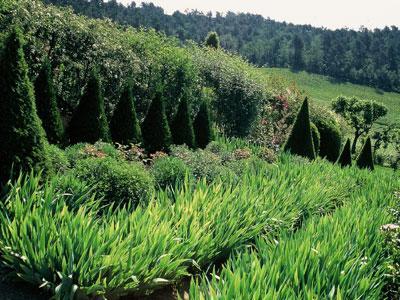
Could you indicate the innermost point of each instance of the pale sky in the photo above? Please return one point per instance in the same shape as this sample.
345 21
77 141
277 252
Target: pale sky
327 13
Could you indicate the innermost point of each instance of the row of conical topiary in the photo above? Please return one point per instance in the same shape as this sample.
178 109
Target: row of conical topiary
26 120
89 123
303 141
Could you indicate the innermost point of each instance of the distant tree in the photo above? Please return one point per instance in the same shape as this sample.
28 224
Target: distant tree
155 129
360 114
365 160
385 135
300 140
182 126
23 138
344 159
46 103
297 60
212 40
203 126
125 127
89 122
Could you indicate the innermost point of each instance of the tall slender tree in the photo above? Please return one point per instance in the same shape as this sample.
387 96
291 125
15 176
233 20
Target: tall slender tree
125 127
300 140
366 160
182 126
344 159
155 129
22 135
89 122
46 103
203 126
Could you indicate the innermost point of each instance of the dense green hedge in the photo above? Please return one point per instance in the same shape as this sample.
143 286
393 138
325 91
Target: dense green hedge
118 182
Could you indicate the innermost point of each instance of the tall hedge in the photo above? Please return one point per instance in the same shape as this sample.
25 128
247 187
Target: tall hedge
300 140
89 122
125 127
344 159
203 126
366 160
46 103
329 128
155 129
22 136
182 126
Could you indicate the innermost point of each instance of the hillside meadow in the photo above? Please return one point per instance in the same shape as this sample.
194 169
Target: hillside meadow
323 90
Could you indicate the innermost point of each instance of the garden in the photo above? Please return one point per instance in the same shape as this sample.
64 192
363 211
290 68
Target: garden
134 166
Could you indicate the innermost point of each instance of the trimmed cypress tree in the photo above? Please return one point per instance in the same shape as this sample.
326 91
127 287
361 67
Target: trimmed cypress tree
155 130
212 40
89 122
365 160
300 140
125 128
344 159
203 127
22 136
46 103
182 126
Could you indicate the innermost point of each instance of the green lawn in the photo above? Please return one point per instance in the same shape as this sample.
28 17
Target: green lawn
323 89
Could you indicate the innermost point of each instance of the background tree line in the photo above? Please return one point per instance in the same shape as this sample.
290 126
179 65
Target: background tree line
364 56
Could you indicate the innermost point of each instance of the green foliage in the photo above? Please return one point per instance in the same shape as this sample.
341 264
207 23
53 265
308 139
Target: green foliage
58 159
119 183
341 255
330 133
365 159
155 128
98 150
89 123
46 103
322 89
360 114
202 124
125 127
23 146
316 137
212 40
239 89
300 140
344 159
169 171
297 57
182 126
205 224
369 57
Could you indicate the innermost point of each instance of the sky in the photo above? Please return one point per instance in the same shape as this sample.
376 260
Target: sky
322 13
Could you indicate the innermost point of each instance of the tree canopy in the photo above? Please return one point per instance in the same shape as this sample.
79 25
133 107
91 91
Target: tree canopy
360 114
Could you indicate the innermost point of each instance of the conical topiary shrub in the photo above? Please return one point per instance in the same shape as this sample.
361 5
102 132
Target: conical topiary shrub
23 138
125 128
344 159
300 140
155 129
203 127
365 160
89 122
46 103
182 126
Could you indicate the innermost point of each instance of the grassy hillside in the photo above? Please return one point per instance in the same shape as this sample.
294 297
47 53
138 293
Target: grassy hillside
323 89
